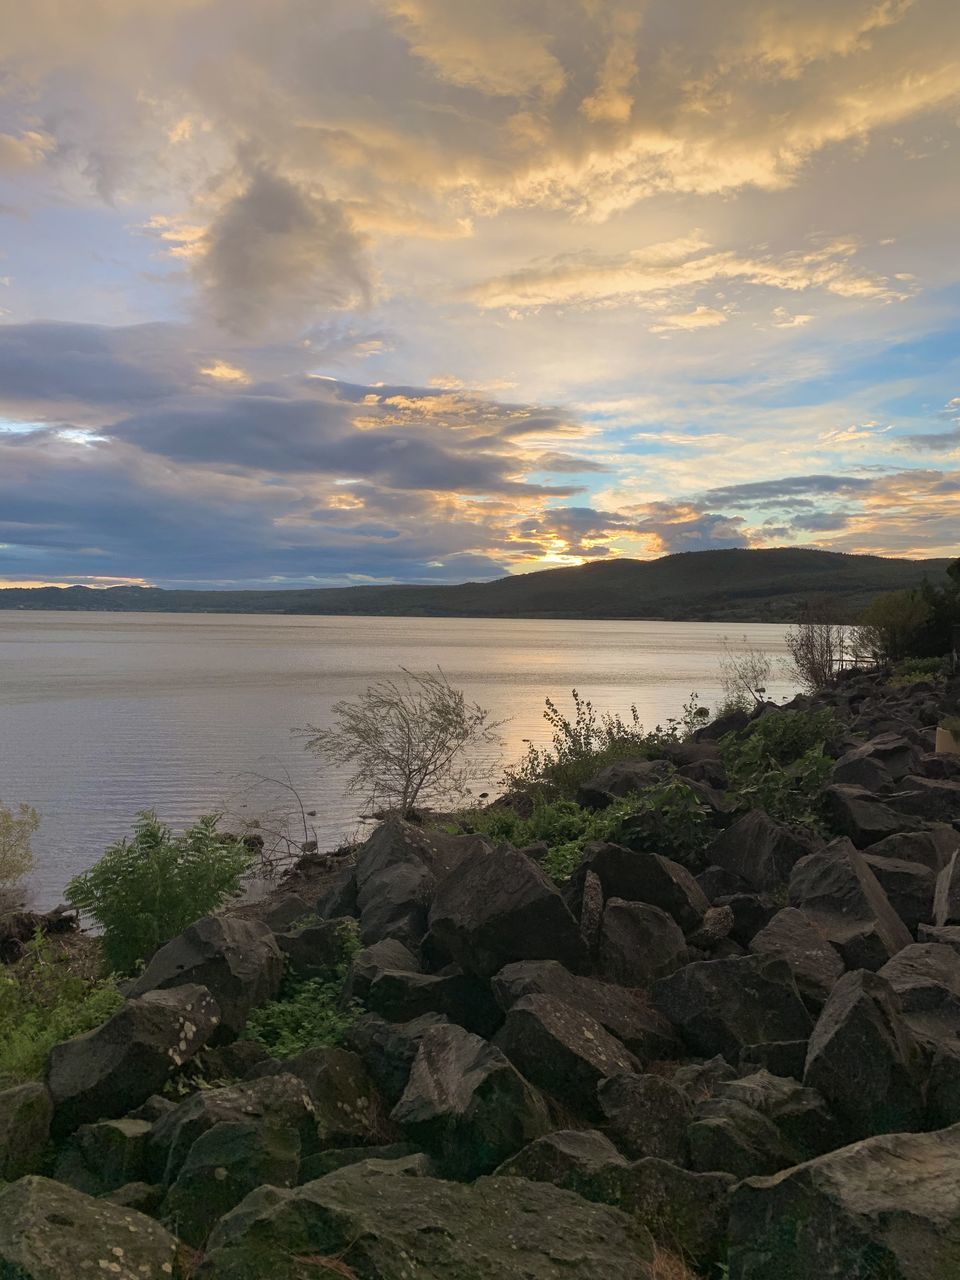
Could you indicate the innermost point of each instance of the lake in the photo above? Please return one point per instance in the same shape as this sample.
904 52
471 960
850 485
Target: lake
105 714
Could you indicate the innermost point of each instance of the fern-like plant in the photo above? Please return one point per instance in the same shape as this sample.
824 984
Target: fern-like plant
145 891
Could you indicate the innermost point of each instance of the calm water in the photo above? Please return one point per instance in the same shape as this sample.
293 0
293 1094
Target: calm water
105 714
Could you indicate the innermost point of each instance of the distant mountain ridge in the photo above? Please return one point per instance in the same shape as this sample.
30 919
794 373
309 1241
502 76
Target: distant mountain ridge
736 585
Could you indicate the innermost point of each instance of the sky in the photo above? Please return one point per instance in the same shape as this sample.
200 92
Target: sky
333 292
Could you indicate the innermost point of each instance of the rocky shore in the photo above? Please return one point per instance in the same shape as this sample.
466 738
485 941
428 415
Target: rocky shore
746 1068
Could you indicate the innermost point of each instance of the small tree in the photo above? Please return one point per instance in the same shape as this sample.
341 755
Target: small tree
818 645
412 739
16 856
145 891
891 624
744 675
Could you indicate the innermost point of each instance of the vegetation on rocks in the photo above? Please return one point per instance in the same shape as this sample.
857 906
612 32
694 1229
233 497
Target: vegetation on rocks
17 826
144 891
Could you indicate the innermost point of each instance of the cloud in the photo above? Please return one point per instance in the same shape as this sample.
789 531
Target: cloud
278 254
699 318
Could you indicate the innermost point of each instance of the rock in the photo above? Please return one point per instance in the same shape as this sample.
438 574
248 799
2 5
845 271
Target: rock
909 887
759 851
388 1049
681 1209
646 1115
460 997
387 1225
622 778
223 1165
926 977
751 912
562 1050
863 1058
279 914
275 1103
932 847
339 897
237 960
639 943
715 929
467 1104
316 949
800 1114
897 754
104 1156
398 869
887 1207
946 899
646 877
580 1160
717 882
795 938
628 1018
51 1232
373 960
591 911
935 799
25 1114
839 892
141 1196
718 1006
117 1066
860 768
324 1162
499 908
727 1136
347 1108
857 814
948 935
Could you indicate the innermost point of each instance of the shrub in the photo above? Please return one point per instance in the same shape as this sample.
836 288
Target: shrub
667 819
16 857
145 891
779 764
412 740
913 669
744 676
891 626
584 743
308 1012
45 998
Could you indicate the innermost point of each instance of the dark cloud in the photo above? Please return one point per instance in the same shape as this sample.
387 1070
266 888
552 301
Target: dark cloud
279 254
934 441
764 491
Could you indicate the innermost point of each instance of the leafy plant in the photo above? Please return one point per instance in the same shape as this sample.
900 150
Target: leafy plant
668 819
145 891
16 830
45 998
308 1012
913 669
414 739
779 764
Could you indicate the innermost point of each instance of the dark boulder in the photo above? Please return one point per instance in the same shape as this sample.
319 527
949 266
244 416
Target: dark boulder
646 1115
909 887
639 943
347 1107
562 1050
237 960
500 907
467 1104
759 851
460 997
646 877
932 847
117 1066
751 911
388 1049
280 913
26 1111
317 949
683 1210
580 1160
936 799
324 1162
887 1208
51 1232
104 1156
622 778
338 898
392 1225
946 898
373 960
861 768
795 938
840 893
863 1058
628 1018
719 1006
800 1114
857 814
728 1136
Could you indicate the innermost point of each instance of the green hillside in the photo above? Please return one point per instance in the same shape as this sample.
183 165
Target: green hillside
762 586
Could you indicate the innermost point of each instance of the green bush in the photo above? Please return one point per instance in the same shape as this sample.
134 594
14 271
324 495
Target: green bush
308 1012
914 669
586 742
43 1000
779 764
145 891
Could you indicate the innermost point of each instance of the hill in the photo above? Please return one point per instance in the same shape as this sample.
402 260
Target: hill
736 585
